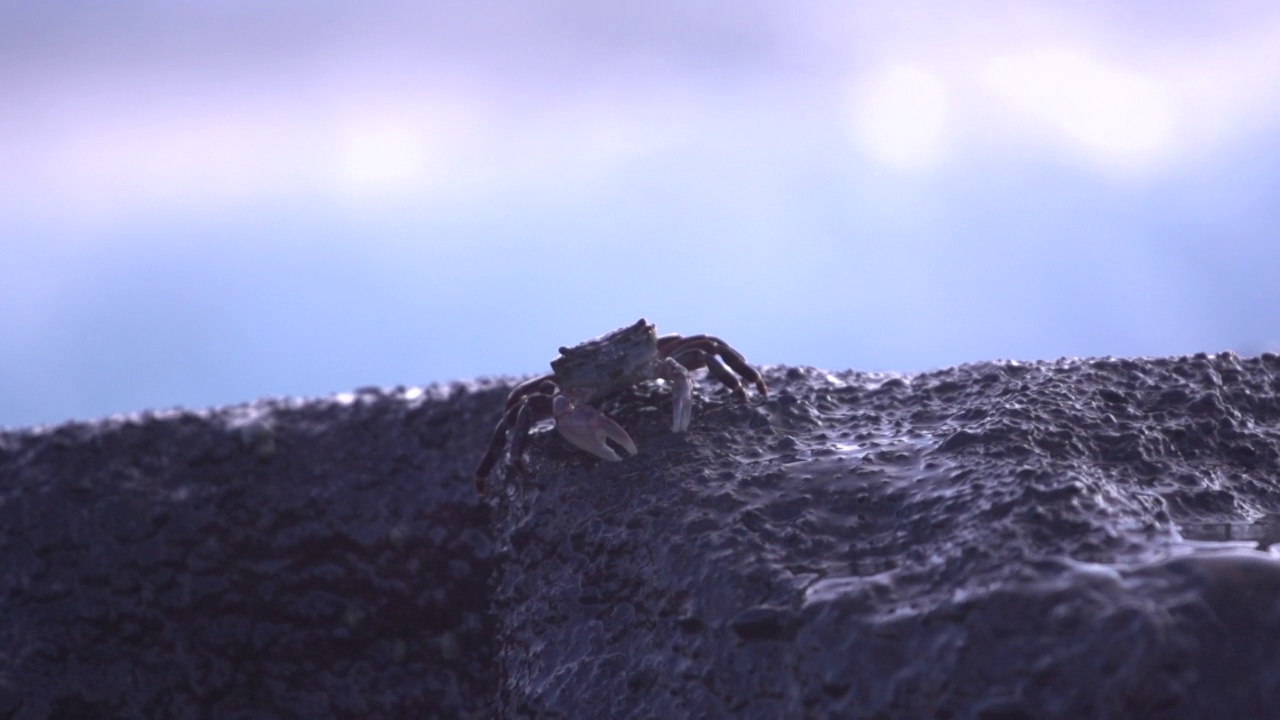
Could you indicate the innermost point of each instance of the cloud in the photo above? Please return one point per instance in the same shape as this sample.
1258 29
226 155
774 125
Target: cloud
1110 113
900 117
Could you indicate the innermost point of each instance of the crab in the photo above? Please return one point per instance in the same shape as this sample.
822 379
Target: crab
601 367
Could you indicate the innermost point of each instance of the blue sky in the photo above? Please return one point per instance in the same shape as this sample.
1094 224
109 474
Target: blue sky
202 204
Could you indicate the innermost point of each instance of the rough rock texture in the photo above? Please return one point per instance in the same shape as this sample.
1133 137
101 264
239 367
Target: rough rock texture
998 540
990 541
277 560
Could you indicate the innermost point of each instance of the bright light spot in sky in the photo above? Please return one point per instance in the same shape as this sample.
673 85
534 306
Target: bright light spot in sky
900 117
1119 116
382 159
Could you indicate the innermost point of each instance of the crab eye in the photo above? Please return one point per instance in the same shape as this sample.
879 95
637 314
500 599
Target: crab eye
563 350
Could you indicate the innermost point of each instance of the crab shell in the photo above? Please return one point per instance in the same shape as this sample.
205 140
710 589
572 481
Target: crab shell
603 365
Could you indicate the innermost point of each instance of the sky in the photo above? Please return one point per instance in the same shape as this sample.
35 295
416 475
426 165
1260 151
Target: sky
206 203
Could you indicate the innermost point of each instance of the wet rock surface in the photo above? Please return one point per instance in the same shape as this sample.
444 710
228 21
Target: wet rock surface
998 540
1083 538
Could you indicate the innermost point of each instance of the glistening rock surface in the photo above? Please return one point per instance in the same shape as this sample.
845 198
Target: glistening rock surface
997 540
992 541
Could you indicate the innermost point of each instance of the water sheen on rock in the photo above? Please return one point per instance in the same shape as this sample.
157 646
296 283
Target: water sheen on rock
1082 538
999 540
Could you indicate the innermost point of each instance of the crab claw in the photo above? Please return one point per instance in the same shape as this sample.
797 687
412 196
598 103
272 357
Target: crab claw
588 428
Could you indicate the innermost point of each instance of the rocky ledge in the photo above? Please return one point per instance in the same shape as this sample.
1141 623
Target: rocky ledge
1082 538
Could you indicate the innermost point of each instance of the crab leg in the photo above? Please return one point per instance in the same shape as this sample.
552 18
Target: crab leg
695 358
588 429
496 443
534 408
541 385
522 412
681 393
681 347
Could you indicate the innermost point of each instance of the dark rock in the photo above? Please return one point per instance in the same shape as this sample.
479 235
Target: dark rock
990 541
998 540
281 559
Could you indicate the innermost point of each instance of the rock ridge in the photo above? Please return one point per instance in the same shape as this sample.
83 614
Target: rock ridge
1077 538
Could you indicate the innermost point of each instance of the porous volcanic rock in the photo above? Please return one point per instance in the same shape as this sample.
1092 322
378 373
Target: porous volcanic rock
282 559
998 540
